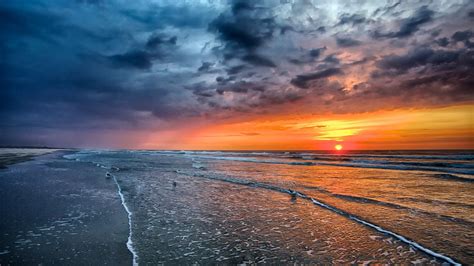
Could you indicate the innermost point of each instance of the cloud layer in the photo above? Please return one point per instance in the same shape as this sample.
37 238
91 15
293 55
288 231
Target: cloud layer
113 65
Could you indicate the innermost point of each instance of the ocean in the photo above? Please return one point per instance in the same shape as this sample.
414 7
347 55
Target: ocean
281 207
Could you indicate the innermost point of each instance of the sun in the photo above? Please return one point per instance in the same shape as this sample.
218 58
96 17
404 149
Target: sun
338 147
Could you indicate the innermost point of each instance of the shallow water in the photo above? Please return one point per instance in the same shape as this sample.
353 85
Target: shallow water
235 207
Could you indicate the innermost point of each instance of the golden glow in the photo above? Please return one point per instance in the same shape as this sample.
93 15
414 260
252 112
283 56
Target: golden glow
338 147
436 128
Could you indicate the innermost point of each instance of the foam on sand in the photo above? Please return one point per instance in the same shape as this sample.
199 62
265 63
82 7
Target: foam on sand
129 242
124 204
335 210
129 213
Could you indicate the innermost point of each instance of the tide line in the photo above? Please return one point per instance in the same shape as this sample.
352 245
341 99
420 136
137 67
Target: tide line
335 210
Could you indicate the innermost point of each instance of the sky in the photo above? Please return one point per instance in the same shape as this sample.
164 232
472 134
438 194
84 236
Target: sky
281 75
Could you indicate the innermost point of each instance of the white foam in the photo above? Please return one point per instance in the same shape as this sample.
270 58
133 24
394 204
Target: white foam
122 199
198 165
385 231
343 213
129 241
4 252
277 160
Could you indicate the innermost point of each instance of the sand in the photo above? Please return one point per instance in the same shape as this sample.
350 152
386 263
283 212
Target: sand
9 156
58 211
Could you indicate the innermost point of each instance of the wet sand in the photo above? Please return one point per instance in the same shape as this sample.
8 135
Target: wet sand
57 211
187 211
9 156
207 220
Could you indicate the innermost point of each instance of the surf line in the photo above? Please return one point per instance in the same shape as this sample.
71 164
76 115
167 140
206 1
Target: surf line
129 241
335 210
122 199
129 213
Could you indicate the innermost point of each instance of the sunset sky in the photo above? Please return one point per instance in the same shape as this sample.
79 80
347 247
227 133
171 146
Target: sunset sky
237 74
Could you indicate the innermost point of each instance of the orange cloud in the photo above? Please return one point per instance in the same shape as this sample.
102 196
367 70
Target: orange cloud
438 128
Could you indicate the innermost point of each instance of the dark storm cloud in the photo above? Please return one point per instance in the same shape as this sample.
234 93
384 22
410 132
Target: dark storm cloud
352 19
258 60
386 9
237 87
464 37
66 72
410 25
206 66
133 59
157 46
418 57
157 40
347 42
302 81
331 59
440 76
308 57
442 42
243 31
29 22
236 69
317 52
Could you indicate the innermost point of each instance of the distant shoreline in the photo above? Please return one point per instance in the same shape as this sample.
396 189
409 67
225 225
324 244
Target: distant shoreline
10 156
31 147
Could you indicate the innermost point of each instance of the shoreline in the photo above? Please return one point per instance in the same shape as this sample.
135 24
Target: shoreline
11 156
127 210
129 241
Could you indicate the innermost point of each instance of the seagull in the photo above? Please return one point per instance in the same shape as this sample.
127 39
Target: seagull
293 194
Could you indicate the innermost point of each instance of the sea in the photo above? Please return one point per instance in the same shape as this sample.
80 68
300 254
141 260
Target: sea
287 207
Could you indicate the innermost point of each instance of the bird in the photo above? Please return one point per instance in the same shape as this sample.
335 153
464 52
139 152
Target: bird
293 194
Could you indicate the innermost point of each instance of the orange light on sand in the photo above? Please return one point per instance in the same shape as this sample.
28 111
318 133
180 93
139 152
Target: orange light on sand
338 147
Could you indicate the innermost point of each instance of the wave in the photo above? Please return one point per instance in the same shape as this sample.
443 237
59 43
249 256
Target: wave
397 206
402 167
400 207
352 160
412 163
438 202
423 164
453 178
323 155
348 164
328 156
129 241
336 210
198 165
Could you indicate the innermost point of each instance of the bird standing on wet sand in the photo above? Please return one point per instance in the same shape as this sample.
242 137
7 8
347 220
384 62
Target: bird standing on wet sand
293 194
174 184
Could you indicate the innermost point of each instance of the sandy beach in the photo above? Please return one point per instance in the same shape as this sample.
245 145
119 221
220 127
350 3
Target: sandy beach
124 207
56 211
10 156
